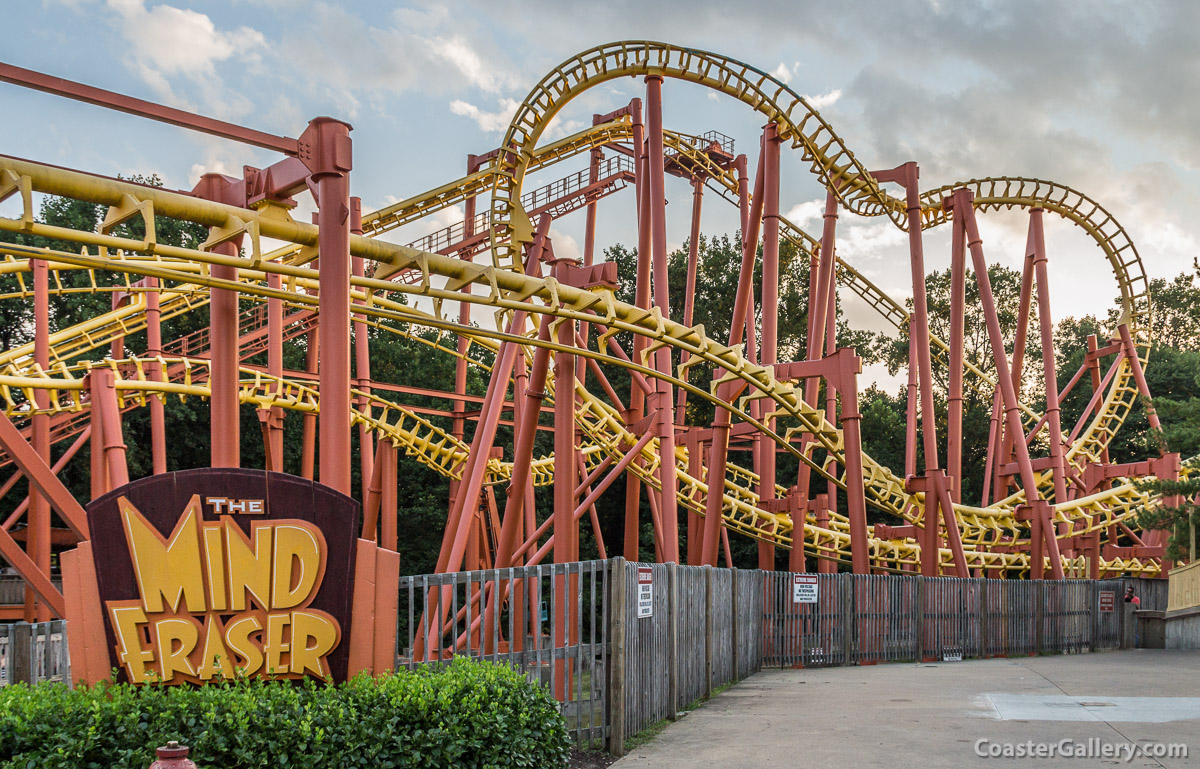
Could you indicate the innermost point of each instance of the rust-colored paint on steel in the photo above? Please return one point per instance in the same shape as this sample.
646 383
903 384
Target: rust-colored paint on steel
329 285
141 108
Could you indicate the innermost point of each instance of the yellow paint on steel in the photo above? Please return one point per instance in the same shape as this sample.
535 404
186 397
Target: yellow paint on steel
441 278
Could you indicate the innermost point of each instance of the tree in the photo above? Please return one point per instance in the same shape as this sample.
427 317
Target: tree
719 261
1175 317
1177 511
977 394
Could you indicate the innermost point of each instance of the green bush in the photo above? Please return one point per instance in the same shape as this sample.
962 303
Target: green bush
464 714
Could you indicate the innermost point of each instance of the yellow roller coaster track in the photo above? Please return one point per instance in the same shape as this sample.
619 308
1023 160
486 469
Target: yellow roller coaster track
440 279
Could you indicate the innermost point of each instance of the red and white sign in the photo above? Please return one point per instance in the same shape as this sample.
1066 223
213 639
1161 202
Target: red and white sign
645 593
1108 600
804 588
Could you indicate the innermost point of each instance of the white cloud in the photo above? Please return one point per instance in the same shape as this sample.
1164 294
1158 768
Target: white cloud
491 122
565 246
559 127
821 101
782 73
220 157
166 42
438 220
807 216
352 58
459 52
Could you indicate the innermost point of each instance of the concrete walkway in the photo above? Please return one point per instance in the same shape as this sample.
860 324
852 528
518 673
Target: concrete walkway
936 714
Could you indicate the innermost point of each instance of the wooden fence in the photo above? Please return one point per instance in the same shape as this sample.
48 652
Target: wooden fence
624 645
682 631
32 653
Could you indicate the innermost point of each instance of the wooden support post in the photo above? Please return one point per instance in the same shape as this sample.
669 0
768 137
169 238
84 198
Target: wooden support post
22 653
708 631
919 620
733 623
616 659
847 608
673 640
983 618
1039 613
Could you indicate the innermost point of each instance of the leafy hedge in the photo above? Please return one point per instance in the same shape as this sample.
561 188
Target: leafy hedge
465 714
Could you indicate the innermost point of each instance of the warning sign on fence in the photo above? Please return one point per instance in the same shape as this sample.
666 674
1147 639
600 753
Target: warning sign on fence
1108 600
645 591
804 588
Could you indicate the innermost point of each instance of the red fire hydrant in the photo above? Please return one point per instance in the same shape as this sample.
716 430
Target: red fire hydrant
173 756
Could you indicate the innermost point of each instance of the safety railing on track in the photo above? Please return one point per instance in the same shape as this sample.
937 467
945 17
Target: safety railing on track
442 240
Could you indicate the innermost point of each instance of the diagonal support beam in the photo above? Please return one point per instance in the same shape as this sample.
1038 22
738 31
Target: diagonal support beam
42 477
34 577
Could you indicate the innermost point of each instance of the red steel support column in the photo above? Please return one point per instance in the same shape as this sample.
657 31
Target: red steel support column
856 501
935 496
958 278
991 462
768 355
1018 362
308 447
37 546
455 534
689 294
1053 421
330 145
461 519
719 451
158 425
912 409
1097 383
98 469
457 527
566 532
362 361
458 426
519 487
637 396
275 368
663 402
566 528
963 201
589 232
224 404
819 276
1139 377
388 455
910 175
589 251
104 394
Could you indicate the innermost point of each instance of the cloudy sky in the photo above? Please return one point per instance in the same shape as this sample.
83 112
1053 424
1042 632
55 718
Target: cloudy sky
1096 95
